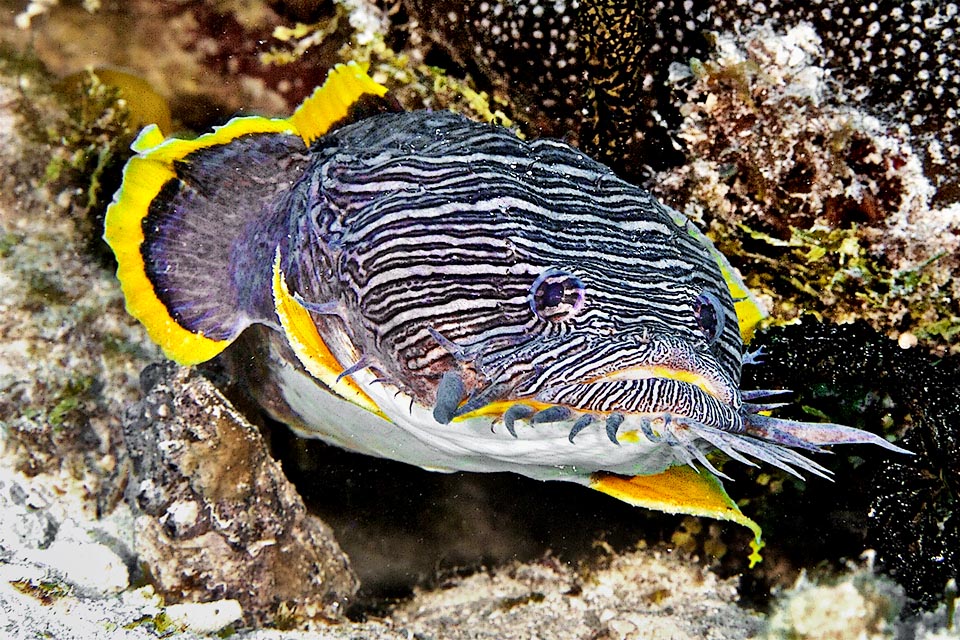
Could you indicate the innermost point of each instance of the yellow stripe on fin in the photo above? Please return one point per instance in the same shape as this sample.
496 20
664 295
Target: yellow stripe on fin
679 489
749 311
331 102
497 408
143 178
313 353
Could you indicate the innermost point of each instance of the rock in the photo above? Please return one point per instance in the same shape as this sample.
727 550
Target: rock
88 566
215 516
641 594
45 539
205 617
856 605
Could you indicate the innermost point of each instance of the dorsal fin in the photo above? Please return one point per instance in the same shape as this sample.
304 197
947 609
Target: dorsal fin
332 102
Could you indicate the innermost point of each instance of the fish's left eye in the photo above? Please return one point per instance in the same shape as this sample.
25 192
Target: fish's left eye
710 316
556 295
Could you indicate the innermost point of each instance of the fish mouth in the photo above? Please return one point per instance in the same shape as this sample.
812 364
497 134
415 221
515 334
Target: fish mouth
709 385
642 391
676 408
661 406
650 391
680 411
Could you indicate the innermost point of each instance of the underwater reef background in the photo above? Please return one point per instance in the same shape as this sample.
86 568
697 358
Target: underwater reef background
603 72
815 142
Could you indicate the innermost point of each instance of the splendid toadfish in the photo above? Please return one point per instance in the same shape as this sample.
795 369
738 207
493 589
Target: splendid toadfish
440 292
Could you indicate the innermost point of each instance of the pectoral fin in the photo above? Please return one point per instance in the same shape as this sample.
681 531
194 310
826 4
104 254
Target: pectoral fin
181 219
312 352
679 489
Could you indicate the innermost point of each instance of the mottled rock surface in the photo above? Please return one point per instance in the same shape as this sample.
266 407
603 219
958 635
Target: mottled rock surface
824 206
636 595
598 70
215 516
70 359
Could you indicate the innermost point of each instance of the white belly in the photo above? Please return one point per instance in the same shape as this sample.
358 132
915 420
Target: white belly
478 444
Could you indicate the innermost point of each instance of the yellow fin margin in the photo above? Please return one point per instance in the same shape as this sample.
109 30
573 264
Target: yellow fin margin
679 489
143 178
749 311
152 167
313 353
331 102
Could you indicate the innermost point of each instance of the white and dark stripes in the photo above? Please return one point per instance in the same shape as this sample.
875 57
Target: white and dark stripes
433 223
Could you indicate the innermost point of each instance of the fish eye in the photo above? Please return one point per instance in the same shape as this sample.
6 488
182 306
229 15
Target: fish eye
710 316
556 295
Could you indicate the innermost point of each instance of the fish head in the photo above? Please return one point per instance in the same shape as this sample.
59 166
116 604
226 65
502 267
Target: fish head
480 279
598 300
635 326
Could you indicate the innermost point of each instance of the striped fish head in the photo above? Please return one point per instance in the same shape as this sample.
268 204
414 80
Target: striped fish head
522 273
641 323
404 278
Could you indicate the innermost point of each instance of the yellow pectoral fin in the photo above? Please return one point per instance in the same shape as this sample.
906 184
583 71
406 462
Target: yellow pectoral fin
313 353
144 178
749 311
679 489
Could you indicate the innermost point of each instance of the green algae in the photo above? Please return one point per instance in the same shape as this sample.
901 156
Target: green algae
833 274
162 624
92 145
46 591
70 399
414 84
808 198
86 129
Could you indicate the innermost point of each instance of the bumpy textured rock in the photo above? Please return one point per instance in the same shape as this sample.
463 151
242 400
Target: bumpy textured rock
216 518
859 605
642 594
782 172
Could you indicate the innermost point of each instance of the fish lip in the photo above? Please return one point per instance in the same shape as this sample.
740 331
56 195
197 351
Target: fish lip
647 397
715 387
653 355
